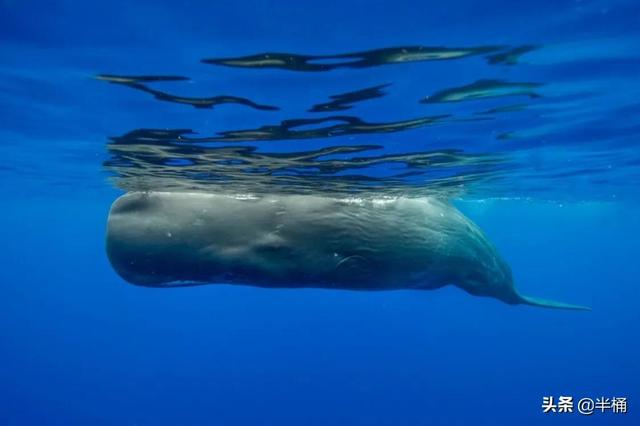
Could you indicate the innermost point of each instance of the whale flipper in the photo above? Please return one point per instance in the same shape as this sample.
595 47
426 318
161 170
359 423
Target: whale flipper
544 303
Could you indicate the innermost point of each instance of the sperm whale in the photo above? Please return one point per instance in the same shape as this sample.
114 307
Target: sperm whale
166 239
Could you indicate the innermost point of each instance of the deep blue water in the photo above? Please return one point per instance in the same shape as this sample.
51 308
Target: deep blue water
529 124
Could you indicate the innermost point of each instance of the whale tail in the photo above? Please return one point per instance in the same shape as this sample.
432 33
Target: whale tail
544 303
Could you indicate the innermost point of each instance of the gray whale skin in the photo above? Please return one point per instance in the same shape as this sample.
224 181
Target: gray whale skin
166 239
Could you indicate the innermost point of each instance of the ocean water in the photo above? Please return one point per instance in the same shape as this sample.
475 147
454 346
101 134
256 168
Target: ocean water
523 114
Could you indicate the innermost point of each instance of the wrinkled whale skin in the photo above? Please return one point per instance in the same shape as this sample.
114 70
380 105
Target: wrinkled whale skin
164 239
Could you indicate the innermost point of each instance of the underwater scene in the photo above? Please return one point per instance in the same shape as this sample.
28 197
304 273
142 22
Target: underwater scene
352 212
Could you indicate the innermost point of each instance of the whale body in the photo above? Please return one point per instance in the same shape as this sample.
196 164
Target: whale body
167 239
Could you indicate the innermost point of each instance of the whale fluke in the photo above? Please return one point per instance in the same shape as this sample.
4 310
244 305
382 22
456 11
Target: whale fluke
544 303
